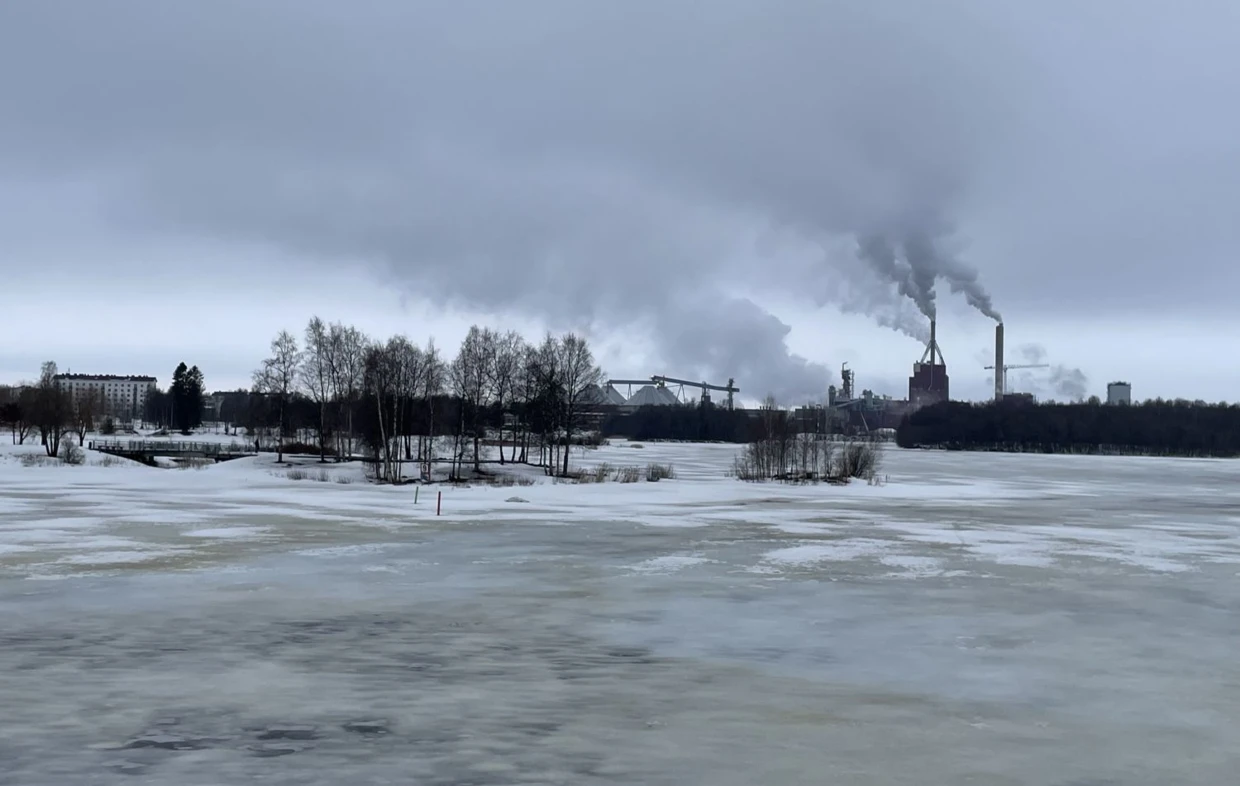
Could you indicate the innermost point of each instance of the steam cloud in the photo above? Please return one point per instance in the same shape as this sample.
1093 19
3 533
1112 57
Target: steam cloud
1062 382
1069 383
920 263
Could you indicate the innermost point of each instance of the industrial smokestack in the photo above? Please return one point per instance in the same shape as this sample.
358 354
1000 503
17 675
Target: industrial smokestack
1000 376
934 345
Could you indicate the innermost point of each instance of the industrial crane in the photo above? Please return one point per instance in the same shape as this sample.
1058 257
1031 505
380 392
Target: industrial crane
729 388
662 381
1016 365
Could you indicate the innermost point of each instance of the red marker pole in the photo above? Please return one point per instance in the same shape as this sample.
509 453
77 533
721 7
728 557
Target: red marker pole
438 503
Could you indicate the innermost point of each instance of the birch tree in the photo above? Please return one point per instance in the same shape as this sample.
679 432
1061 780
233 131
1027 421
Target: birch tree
471 374
316 375
578 374
277 378
347 352
434 382
542 389
411 366
505 370
379 382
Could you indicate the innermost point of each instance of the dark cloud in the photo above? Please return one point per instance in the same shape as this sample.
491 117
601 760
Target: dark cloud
598 164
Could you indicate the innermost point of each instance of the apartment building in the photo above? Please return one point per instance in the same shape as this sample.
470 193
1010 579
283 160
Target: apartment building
121 397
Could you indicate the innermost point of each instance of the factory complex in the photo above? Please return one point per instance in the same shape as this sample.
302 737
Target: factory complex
845 410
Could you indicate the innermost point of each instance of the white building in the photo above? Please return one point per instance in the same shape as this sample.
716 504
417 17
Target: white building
1119 393
120 397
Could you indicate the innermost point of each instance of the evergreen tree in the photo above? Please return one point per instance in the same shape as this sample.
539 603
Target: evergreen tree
186 394
177 392
1156 428
194 396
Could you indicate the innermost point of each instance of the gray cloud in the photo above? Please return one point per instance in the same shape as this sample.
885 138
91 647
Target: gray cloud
600 166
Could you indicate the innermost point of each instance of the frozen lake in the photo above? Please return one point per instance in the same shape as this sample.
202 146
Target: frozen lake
989 619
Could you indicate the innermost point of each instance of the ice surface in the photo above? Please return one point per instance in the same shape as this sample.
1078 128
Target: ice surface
668 564
831 551
228 532
991 619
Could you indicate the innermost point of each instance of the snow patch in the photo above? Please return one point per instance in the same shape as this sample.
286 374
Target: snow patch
115 557
844 550
668 564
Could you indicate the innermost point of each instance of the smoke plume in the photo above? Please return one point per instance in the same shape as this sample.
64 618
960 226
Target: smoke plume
856 291
1060 382
921 262
1069 383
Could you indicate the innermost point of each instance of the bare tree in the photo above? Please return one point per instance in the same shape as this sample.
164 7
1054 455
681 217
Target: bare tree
17 408
411 365
578 375
540 387
471 376
278 378
379 383
53 409
505 371
434 381
538 390
398 369
774 453
347 353
461 376
316 375
85 409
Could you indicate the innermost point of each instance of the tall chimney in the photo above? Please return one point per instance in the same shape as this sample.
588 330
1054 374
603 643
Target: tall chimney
934 345
1000 376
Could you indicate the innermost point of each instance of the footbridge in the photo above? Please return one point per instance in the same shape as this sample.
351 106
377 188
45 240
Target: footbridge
146 450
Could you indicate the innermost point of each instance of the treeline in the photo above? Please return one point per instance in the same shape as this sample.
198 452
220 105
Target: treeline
704 422
46 409
398 400
1155 428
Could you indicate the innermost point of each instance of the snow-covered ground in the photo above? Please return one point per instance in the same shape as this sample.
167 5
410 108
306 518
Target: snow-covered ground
991 619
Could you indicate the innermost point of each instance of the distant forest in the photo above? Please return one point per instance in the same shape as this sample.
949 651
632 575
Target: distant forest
1155 428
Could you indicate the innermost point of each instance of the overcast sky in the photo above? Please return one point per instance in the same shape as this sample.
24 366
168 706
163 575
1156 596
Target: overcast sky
685 182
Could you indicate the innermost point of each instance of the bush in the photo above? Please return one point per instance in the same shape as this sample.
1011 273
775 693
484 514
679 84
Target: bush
605 472
320 476
657 472
628 475
806 460
108 427
71 454
858 460
746 469
306 449
506 481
